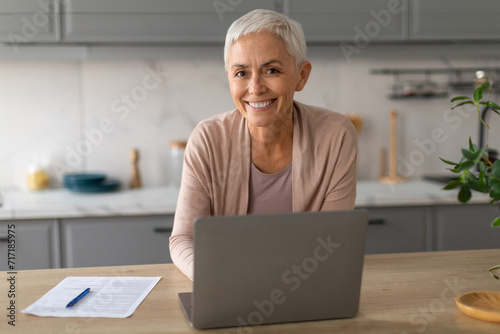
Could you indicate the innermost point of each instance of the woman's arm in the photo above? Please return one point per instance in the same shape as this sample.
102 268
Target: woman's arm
194 201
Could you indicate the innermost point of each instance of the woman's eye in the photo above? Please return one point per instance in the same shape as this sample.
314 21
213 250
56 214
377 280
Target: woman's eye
240 74
272 71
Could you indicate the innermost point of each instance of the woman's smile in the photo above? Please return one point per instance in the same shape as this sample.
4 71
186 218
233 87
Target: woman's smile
261 105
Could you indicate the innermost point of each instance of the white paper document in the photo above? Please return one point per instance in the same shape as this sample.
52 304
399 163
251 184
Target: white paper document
109 297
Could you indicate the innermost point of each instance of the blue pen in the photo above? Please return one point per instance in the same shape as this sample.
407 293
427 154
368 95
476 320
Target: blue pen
78 298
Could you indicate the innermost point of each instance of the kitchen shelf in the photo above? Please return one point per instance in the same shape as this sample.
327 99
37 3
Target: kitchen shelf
418 96
396 71
427 89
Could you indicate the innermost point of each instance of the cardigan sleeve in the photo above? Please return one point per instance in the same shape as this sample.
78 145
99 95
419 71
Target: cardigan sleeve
194 201
341 193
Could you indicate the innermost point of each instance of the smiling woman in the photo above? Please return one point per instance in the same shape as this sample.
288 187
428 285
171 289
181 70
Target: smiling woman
263 79
271 154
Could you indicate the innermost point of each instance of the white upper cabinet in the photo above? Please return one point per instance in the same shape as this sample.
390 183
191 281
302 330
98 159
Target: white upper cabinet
28 21
453 20
358 22
153 21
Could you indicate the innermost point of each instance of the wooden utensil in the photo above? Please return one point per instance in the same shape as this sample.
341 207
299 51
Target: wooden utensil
392 177
135 180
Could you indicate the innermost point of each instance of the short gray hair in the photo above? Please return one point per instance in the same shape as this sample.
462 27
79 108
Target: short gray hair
275 23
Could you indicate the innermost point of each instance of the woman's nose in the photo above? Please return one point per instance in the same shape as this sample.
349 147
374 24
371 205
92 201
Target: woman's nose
256 85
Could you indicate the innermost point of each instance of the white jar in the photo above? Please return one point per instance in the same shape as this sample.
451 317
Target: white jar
177 148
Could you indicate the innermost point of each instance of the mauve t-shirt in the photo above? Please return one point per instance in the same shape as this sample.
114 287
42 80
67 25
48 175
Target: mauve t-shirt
270 193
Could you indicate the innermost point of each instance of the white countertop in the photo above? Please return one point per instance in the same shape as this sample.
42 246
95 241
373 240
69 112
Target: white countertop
62 203
410 193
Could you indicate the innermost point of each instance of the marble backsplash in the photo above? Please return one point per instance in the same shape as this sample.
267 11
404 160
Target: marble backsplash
87 115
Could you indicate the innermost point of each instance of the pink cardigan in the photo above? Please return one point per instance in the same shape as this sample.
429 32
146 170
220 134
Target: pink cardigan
215 177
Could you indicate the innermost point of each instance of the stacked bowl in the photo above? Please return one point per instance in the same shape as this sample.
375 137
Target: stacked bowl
89 183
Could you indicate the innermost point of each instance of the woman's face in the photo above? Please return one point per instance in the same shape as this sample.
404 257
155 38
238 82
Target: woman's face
263 78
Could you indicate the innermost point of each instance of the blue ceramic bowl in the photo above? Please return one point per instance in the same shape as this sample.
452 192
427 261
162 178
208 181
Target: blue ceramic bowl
83 178
97 187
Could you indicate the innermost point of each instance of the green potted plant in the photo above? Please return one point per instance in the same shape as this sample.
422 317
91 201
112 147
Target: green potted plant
487 179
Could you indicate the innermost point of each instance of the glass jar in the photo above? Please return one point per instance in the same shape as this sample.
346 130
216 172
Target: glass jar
177 148
37 177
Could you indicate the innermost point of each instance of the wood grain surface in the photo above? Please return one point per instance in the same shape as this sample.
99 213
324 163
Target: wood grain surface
401 293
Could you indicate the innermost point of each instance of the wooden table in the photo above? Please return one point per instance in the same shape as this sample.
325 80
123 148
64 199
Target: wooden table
401 293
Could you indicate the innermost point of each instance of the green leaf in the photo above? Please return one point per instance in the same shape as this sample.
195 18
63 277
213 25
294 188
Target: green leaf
478 93
462 103
490 104
492 269
481 174
468 154
466 165
496 222
479 155
493 179
464 195
448 162
494 184
453 184
494 195
472 147
458 98
477 185
495 169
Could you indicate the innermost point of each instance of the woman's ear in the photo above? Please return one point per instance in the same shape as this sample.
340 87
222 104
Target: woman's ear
304 71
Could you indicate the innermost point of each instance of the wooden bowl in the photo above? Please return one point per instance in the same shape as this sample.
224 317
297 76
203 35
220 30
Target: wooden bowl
483 305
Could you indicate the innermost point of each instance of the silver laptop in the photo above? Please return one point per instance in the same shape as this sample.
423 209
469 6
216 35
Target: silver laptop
262 269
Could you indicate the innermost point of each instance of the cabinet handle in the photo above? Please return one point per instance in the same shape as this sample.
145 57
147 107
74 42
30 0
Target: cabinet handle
4 238
379 221
162 229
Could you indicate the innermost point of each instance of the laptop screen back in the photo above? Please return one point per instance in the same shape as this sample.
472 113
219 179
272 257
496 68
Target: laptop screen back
259 269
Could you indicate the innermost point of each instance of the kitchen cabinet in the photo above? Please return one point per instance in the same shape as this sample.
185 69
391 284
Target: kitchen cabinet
432 228
454 20
111 241
36 244
29 21
460 227
356 22
397 230
153 21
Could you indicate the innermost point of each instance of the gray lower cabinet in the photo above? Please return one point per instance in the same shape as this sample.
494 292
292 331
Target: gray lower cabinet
89 242
34 244
397 230
461 227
